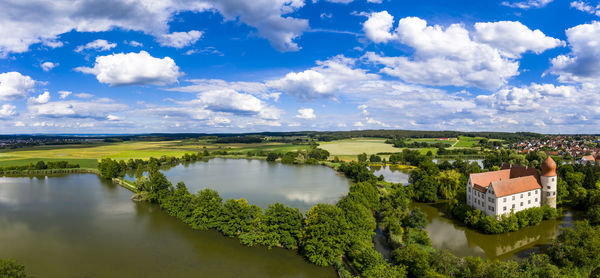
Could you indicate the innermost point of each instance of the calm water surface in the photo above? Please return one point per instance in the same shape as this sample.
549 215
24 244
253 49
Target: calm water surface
447 234
80 226
263 183
391 173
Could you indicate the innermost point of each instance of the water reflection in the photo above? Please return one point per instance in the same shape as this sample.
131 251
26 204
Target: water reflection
81 226
263 183
462 241
391 173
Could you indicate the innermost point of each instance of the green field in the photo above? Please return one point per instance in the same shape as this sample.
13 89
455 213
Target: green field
87 155
355 146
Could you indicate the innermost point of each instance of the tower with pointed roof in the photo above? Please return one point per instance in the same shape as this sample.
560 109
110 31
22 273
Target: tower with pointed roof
548 180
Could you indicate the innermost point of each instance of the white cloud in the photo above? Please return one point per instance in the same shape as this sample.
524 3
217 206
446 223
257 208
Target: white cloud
513 38
306 113
231 101
180 39
582 64
586 8
97 45
133 69
84 95
64 94
40 99
323 81
113 118
527 4
94 109
8 111
377 27
39 21
445 56
14 85
48 66
134 43
258 89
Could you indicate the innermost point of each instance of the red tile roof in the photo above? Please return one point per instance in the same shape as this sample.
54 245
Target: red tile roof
513 186
516 174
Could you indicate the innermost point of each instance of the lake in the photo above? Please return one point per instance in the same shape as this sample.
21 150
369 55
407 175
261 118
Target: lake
261 182
445 233
81 226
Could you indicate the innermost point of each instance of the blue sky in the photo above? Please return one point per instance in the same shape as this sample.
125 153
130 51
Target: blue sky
135 66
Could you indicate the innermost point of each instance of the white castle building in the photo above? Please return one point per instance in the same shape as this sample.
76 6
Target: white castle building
513 188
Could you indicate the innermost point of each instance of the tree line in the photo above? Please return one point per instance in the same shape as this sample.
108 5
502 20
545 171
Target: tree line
41 165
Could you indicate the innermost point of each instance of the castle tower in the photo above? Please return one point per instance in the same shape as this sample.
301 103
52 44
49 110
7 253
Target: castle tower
549 180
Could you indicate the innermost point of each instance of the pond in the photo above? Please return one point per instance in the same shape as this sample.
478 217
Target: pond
445 233
81 226
261 182
391 173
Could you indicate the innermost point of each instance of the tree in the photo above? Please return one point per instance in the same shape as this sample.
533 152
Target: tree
10 268
324 237
285 222
207 209
416 260
449 183
416 219
362 157
237 217
425 189
375 158
272 156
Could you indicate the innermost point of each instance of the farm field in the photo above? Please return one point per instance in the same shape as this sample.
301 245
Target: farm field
355 146
87 155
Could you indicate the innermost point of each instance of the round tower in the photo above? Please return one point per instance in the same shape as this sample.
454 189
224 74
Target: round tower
549 180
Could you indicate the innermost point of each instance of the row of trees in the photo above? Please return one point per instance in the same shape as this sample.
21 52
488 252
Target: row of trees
41 165
312 156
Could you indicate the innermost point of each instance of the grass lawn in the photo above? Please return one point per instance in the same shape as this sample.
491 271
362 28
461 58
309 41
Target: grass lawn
467 142
352 147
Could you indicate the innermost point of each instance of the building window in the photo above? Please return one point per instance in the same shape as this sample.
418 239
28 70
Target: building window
553 193
521 196
536 199
529 202
547 193
552 179
513 198
528 193
469 189
548 187
513 206
536 191
505 199
504 208
521 203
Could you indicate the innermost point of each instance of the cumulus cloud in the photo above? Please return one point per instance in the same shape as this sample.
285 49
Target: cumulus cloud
14 85
231 101
527 4
40 99
8 111
582 64
48 66
134 43
133 69
306 113
377 27
323 81
38 21
513 38
450 56
258 89
180 39
97 45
